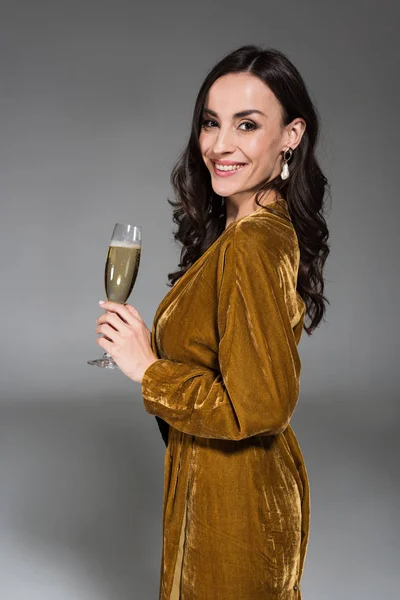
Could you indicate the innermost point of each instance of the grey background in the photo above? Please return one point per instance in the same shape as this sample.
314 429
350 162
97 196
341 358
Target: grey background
96 101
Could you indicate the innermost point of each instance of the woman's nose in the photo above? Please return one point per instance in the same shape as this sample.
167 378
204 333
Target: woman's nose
224 141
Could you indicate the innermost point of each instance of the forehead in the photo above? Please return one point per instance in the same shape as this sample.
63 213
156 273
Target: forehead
240 91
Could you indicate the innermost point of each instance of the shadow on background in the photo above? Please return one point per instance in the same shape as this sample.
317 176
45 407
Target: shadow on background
81 499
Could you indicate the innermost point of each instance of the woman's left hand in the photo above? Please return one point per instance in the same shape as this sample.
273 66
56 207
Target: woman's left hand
128 339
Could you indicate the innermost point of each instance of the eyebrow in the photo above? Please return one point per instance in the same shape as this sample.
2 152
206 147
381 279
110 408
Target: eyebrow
242 113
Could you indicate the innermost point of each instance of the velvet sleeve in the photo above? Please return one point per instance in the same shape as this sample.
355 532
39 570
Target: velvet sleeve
256 388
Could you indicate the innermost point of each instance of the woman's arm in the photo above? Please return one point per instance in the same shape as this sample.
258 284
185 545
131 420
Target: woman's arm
256 389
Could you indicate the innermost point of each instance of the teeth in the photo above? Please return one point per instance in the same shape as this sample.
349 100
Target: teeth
228 167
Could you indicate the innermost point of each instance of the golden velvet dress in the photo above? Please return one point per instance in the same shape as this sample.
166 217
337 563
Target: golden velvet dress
236 507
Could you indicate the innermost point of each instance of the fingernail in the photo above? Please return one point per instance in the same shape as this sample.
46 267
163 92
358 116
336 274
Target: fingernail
101 301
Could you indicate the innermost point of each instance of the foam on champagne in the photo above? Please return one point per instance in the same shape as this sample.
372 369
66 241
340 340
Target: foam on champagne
125 244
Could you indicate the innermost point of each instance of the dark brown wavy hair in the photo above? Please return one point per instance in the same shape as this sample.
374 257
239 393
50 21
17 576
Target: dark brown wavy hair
200 213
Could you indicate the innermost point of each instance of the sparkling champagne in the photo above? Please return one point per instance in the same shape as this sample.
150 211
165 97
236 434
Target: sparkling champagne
122 265
121 270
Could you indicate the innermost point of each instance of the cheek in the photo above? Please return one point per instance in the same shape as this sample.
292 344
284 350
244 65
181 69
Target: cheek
260 149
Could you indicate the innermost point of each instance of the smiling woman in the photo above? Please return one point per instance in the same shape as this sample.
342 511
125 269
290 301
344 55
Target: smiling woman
226 378
253 152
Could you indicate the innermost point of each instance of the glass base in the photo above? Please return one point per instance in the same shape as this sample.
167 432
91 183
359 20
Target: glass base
106 362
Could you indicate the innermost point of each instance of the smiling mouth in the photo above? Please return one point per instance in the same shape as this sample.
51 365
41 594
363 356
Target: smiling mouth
228 170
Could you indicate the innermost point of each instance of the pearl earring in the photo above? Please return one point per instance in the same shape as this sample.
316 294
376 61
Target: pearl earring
285 169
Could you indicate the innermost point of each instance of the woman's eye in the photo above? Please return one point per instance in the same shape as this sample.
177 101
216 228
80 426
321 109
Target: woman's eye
252 125
206 123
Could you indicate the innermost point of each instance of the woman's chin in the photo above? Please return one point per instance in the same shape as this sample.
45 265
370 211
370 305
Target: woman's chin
227 190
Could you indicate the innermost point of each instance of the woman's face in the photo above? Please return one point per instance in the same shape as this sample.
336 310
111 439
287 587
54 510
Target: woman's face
256 139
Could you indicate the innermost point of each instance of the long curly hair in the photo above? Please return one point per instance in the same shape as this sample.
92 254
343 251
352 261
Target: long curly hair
200 213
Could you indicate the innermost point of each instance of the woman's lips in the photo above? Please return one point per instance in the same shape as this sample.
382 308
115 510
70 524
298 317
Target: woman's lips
228 173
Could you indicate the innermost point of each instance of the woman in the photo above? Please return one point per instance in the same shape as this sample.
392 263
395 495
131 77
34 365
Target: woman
220 369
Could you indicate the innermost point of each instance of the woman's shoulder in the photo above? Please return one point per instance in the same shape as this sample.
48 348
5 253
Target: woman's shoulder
264 248
264 232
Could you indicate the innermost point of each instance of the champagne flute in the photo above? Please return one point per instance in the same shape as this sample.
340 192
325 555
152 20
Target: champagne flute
122 265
